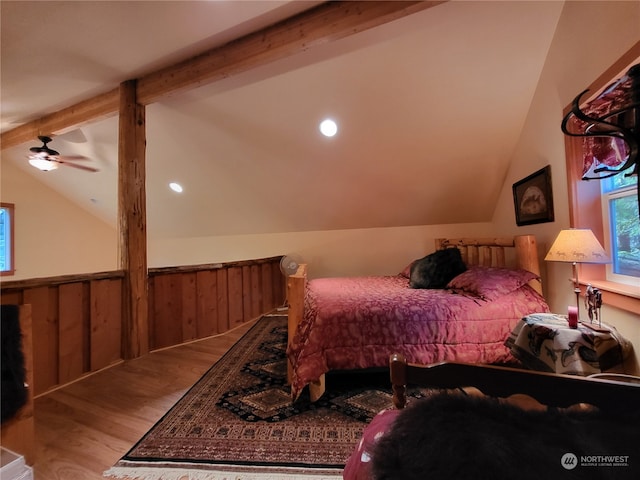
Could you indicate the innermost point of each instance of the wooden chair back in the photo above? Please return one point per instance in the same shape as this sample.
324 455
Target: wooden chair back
550 389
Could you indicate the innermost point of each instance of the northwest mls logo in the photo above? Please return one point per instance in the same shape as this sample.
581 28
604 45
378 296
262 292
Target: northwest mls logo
569 461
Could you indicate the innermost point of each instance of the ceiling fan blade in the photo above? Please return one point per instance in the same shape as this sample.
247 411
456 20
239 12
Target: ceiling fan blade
73 136
75 158
75 165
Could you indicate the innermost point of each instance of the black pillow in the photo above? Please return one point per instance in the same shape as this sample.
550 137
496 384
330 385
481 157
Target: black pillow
437 269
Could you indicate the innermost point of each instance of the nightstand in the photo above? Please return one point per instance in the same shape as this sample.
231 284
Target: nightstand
544 342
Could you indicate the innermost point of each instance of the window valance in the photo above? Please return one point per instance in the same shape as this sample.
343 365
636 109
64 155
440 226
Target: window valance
610 125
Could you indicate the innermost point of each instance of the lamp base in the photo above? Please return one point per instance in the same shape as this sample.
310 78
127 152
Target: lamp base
595 328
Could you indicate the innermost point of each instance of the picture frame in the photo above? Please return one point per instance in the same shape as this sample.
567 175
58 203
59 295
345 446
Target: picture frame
533 198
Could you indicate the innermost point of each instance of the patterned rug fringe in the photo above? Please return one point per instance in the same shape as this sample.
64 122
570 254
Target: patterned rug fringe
142 473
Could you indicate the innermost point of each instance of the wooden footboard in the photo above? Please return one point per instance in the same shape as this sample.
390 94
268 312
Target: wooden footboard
550 389
296 285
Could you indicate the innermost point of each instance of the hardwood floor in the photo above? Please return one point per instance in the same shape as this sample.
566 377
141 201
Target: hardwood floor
82 429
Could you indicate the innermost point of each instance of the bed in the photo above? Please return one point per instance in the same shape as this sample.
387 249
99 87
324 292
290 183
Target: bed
353 323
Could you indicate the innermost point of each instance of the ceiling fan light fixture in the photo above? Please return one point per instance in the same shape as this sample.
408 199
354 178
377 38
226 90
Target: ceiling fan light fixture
42 164
46 159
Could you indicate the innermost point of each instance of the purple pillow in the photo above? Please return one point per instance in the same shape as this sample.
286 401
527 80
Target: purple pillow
490 283
407 270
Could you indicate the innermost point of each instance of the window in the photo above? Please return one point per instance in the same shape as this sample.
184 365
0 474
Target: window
620 215
6 239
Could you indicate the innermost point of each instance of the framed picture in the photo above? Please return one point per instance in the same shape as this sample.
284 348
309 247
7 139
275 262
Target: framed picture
533 198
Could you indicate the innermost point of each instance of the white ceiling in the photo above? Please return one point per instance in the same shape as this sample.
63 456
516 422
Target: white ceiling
430 108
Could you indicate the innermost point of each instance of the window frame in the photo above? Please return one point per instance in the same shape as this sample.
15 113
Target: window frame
607 197
585 199
11 209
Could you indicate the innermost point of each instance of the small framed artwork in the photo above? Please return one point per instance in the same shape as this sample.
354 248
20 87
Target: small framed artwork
533 198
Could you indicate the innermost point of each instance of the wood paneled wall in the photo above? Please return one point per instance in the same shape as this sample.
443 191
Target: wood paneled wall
75 324
187 303
77 319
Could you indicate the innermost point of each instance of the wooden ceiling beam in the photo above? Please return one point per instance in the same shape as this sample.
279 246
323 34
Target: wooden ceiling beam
327 22
87 111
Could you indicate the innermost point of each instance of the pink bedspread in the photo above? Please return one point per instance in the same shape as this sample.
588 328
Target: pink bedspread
358 322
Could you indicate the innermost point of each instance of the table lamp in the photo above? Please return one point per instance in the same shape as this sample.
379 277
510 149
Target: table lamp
577 245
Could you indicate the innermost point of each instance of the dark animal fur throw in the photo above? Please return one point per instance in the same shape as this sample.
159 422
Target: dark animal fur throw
14 393
436 269
455 437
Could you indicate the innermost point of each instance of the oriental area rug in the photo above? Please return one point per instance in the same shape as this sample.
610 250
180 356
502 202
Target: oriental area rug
238 422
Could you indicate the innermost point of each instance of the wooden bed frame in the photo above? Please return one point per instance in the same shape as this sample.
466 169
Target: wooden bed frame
550 389
474 251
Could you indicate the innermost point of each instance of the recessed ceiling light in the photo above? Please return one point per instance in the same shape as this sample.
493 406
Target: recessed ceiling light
176 187
328 127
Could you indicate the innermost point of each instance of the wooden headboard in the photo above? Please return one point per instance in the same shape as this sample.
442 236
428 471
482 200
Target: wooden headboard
490 252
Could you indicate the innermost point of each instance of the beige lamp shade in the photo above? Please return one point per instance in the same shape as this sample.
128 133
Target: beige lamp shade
577 245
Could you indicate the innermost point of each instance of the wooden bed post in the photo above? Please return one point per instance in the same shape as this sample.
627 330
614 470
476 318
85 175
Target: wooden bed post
527 257
398 373
296 284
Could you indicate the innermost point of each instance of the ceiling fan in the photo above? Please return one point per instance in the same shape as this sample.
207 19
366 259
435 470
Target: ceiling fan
45 158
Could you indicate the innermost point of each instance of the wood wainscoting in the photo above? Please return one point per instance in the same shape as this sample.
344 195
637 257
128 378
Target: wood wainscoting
189 303
77 319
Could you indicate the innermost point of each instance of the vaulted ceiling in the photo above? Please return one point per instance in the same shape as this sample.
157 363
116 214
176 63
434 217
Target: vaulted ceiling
429 109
